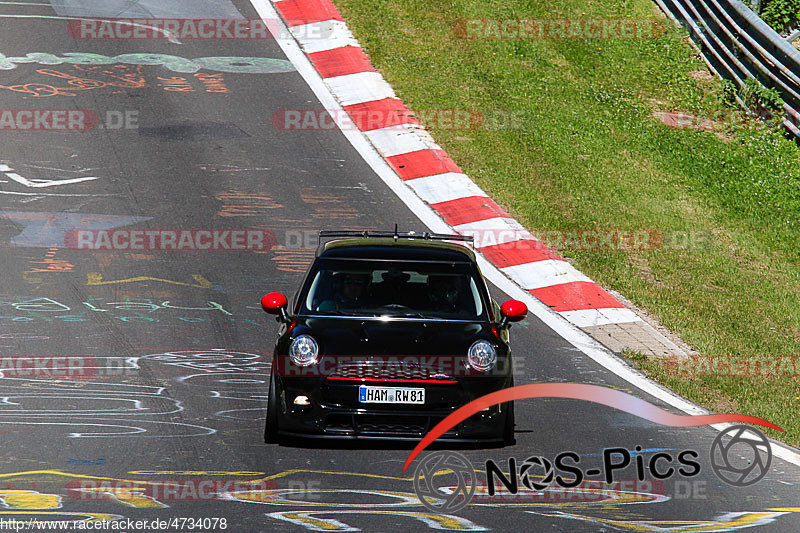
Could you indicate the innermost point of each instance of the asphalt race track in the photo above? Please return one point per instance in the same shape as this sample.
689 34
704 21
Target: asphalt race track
134 381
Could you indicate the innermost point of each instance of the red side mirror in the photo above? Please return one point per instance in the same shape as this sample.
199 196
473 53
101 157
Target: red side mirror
513 311
273 302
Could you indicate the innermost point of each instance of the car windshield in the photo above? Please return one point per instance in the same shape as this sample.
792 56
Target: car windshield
396 289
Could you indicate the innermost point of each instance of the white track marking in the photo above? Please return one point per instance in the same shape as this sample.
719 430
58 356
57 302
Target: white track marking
360 88
48 194
308 35
37 183
397 140
444 187
545 273
600 317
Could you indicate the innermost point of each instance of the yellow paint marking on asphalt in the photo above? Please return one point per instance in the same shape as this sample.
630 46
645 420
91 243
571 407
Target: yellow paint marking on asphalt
305 471
29 499
87 517
314 523
441 472
446 521
278 497
130 497
80 476
192 473
16 475
724 523
65 474
259 496
96 278
180 472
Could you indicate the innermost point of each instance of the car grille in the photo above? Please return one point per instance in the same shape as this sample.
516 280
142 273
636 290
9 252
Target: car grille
399 425
379 370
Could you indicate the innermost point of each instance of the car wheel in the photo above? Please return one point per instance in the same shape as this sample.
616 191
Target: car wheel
271 426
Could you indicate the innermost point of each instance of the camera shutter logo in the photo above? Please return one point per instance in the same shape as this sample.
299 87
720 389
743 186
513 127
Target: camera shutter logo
740 441
547 476
454 464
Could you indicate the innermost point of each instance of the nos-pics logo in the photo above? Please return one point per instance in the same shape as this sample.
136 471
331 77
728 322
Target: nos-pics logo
446 481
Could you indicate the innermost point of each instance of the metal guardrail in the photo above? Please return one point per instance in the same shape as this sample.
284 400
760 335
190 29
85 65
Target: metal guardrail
737 45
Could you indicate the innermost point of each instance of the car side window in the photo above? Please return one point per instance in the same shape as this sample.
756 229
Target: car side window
317 291
476 297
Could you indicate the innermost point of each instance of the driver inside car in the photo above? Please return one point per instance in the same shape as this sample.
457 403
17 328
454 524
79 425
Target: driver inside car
444 292
350 292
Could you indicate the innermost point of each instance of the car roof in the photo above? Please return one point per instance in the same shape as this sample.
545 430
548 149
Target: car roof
399 249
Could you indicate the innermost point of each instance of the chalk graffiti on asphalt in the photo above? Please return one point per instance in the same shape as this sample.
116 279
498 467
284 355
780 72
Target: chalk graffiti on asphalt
211 361
116 77
115 410
211 83
51 264
225 375
234 65
235 374
95 410
76 83
96 278
42 390
36 183
50 305
238 204
141 310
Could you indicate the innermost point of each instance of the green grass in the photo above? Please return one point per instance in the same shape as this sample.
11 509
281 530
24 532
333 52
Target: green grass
592 156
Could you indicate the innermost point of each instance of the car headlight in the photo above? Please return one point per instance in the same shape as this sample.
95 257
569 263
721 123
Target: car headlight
482 356
303 350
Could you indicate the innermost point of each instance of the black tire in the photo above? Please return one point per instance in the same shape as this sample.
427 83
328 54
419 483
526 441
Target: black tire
271 425
508 426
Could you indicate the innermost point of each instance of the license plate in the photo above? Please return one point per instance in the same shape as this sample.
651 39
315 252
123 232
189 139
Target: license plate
390 395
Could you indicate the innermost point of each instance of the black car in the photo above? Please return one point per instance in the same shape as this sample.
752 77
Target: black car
388 334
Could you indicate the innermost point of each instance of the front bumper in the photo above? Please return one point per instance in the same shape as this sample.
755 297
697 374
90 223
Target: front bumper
335 412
